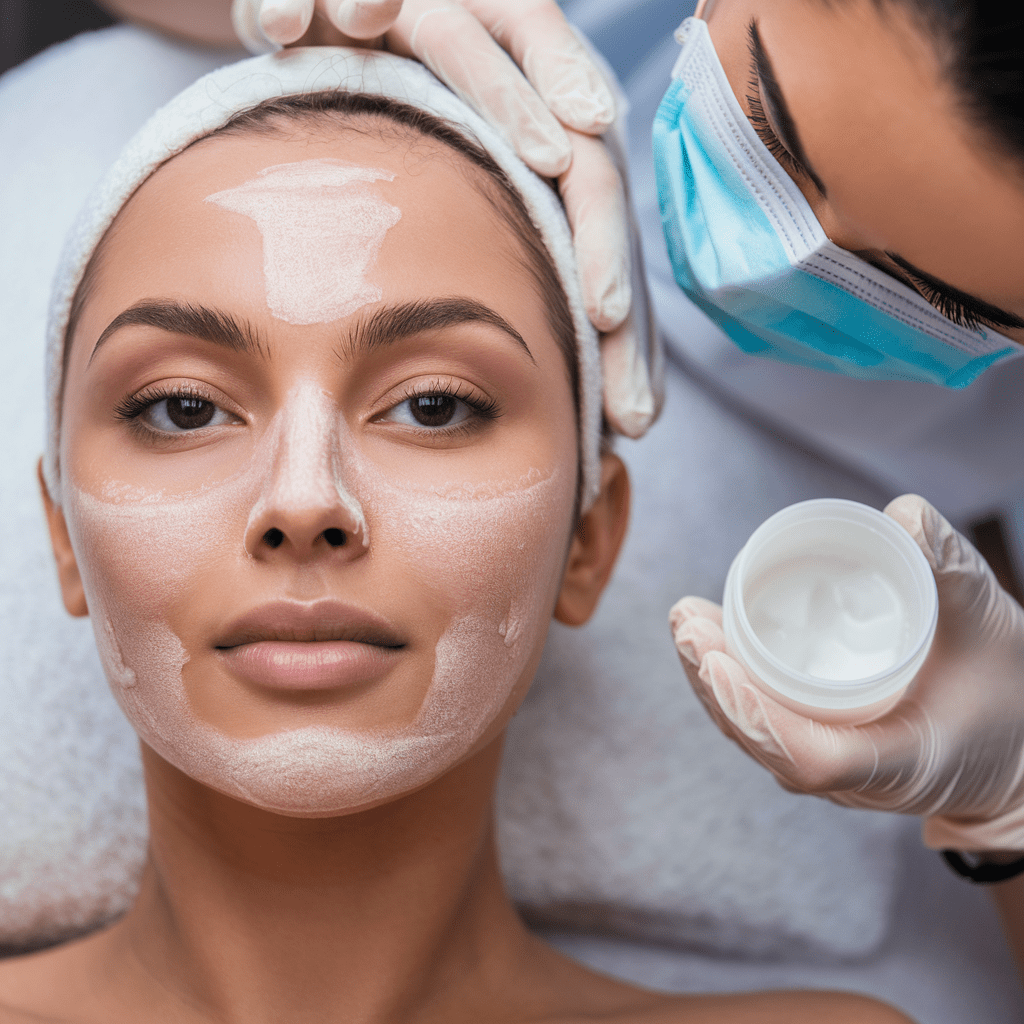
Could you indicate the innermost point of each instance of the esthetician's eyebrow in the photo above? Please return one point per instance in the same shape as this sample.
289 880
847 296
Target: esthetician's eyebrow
393 323
192 320
775 103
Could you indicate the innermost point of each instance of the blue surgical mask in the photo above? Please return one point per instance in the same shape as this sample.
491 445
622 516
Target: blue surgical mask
746 247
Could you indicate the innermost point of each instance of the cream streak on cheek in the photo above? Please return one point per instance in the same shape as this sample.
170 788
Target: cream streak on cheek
489 556
323 223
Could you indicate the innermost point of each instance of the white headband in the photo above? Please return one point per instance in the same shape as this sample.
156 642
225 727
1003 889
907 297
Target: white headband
214 99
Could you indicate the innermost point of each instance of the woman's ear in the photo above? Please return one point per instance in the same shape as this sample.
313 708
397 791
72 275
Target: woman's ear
67 566
595 545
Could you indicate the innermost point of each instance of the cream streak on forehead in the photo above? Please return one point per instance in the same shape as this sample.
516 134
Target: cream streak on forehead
323 223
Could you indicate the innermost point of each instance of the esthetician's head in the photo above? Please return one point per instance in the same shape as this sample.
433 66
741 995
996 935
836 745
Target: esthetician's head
901 122
320 457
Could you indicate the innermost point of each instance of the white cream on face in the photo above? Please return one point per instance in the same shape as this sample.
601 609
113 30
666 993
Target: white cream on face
323 223
829 619
306 463
490 555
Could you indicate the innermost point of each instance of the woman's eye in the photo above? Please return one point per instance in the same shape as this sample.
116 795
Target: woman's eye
430 410
178 413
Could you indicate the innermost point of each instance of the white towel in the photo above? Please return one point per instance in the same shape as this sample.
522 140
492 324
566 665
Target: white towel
622 808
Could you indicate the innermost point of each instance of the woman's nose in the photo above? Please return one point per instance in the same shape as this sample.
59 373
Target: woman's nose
305 509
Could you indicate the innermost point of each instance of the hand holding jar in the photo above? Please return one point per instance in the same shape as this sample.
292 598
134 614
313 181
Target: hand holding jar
951 750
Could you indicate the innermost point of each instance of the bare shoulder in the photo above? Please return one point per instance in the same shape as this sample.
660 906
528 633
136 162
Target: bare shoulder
16 1015
575 994
44 987
777 1008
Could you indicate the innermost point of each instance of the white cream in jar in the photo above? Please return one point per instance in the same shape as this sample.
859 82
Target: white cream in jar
831 607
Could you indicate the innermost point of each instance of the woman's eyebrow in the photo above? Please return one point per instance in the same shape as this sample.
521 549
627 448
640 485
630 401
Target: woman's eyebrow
191 319
393 323
778 109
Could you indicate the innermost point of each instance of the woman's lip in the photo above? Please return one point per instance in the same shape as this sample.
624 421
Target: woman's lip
315 622
309 665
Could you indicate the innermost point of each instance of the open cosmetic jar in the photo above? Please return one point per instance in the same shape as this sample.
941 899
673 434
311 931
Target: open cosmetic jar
831 607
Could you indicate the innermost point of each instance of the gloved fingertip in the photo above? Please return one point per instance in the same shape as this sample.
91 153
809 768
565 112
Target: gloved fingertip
909 510
611 295
691 607
715 674
630 415
546 149
245 20
365 19
585 106
285 21
630 402
700 637
946 550
687 651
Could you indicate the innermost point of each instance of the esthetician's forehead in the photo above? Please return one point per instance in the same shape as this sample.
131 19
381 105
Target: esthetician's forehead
444 236
906 166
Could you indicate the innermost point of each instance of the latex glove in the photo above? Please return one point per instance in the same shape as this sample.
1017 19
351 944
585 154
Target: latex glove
521 67
266 25
951 751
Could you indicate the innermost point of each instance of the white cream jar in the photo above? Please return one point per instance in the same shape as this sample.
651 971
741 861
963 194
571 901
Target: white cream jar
831 607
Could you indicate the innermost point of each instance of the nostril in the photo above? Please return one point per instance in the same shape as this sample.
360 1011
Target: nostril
273 537
334 537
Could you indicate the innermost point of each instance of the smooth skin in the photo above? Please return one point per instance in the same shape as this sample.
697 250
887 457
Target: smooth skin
396 913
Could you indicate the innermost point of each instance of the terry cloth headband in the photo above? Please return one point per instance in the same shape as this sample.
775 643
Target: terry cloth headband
212 101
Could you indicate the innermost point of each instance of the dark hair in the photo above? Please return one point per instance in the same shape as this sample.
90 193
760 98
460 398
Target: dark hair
981 43
346 110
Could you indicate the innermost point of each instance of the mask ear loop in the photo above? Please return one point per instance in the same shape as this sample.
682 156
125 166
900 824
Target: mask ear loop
704 7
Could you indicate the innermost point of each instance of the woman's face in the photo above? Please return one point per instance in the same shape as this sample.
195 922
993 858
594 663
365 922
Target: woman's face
871 131
319 466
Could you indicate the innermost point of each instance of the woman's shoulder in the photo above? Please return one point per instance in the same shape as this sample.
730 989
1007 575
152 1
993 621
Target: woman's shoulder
774 1008
586 995
49 986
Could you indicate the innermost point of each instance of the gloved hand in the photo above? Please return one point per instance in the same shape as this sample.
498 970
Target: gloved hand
952 750
549 111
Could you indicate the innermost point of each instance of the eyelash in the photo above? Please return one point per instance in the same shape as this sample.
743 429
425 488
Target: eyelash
131 408
949 307
483 408
761 125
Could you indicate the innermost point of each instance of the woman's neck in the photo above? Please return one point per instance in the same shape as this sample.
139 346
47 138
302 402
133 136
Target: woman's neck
390 913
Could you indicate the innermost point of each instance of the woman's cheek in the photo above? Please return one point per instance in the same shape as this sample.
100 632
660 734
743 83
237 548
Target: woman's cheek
145 555
494 551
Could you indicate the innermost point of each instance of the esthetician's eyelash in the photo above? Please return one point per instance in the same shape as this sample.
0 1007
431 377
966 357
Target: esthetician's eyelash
949 307
760 123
